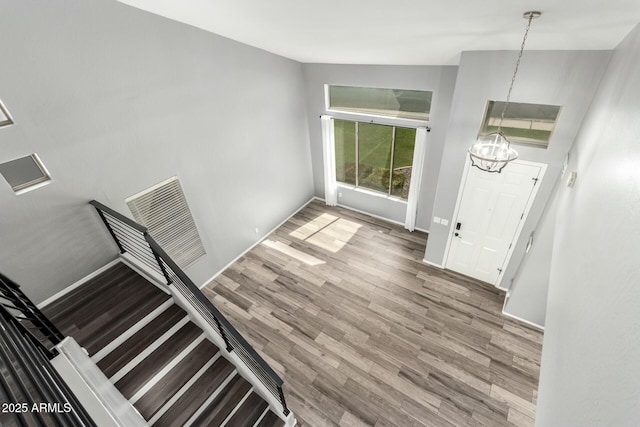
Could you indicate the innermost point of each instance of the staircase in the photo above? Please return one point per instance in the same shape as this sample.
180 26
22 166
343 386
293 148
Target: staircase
161 361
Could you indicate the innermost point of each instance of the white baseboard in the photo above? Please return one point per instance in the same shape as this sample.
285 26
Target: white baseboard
372 215
78 283
255 244
433 264
151 276
520 319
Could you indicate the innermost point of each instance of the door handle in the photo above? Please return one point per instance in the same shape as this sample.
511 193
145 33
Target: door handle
457 235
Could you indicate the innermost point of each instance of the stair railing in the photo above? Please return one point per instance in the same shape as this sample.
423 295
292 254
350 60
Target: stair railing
22 308
133 238
34 392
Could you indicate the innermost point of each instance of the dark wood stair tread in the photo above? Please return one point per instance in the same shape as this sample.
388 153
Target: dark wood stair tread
200 391
63 308
104 307
129 349
175 379
270 420
224 403
156 361
249 412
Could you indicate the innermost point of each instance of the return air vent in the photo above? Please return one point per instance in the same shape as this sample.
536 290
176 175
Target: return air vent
163 209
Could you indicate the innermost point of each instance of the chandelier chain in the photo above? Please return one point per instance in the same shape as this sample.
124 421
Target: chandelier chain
515 72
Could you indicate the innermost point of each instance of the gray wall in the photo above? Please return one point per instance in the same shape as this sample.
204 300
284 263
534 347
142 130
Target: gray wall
566 78
528 292
114 100
439 79
590 372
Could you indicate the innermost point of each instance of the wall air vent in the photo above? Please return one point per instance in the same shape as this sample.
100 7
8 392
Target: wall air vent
25 174
163 209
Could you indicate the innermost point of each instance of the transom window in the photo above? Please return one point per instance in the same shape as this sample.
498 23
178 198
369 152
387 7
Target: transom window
523 123
376 157
399 103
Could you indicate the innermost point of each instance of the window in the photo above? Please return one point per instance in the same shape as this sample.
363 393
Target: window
163 209
25 174
523 123
400 103
5 117
375 157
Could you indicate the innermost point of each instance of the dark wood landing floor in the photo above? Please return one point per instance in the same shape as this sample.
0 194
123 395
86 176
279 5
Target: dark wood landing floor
364 333
105 307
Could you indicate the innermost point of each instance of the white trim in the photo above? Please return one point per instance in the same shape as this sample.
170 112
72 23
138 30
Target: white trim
164 371
151 276
147 351
532 196
463 181
371 193
377 119
370 214
131 331
520 319
7 114
207 402
102 400
212 278
77 284
433 264
182 390
43 169
364 213
233 412
34 186
527 209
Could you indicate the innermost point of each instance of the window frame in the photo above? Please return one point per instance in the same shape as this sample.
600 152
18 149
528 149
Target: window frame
374 118
367 190
515 139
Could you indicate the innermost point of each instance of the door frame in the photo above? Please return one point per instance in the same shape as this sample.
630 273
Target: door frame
516 236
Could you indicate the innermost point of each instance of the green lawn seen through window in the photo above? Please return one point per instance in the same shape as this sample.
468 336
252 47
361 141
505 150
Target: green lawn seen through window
374 142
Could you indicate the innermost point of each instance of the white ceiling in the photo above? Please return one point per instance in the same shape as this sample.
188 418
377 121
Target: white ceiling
426 32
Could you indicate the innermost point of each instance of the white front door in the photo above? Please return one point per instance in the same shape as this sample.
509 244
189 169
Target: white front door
490 211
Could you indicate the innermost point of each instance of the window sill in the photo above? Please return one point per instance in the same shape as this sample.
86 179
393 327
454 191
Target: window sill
375 119
371 193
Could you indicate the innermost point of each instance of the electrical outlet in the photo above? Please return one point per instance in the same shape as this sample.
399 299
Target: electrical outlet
340 194
257 230
444 222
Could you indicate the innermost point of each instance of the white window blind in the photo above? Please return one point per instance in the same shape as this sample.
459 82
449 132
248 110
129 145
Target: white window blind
163 209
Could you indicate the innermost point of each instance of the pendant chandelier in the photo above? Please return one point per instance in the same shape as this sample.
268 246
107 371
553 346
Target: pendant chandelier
492 152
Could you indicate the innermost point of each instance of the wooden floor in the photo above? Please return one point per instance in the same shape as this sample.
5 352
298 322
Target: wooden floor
364 333
100 310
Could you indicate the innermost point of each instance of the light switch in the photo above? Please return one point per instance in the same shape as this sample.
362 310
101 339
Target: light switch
436 219
444 221
572 179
